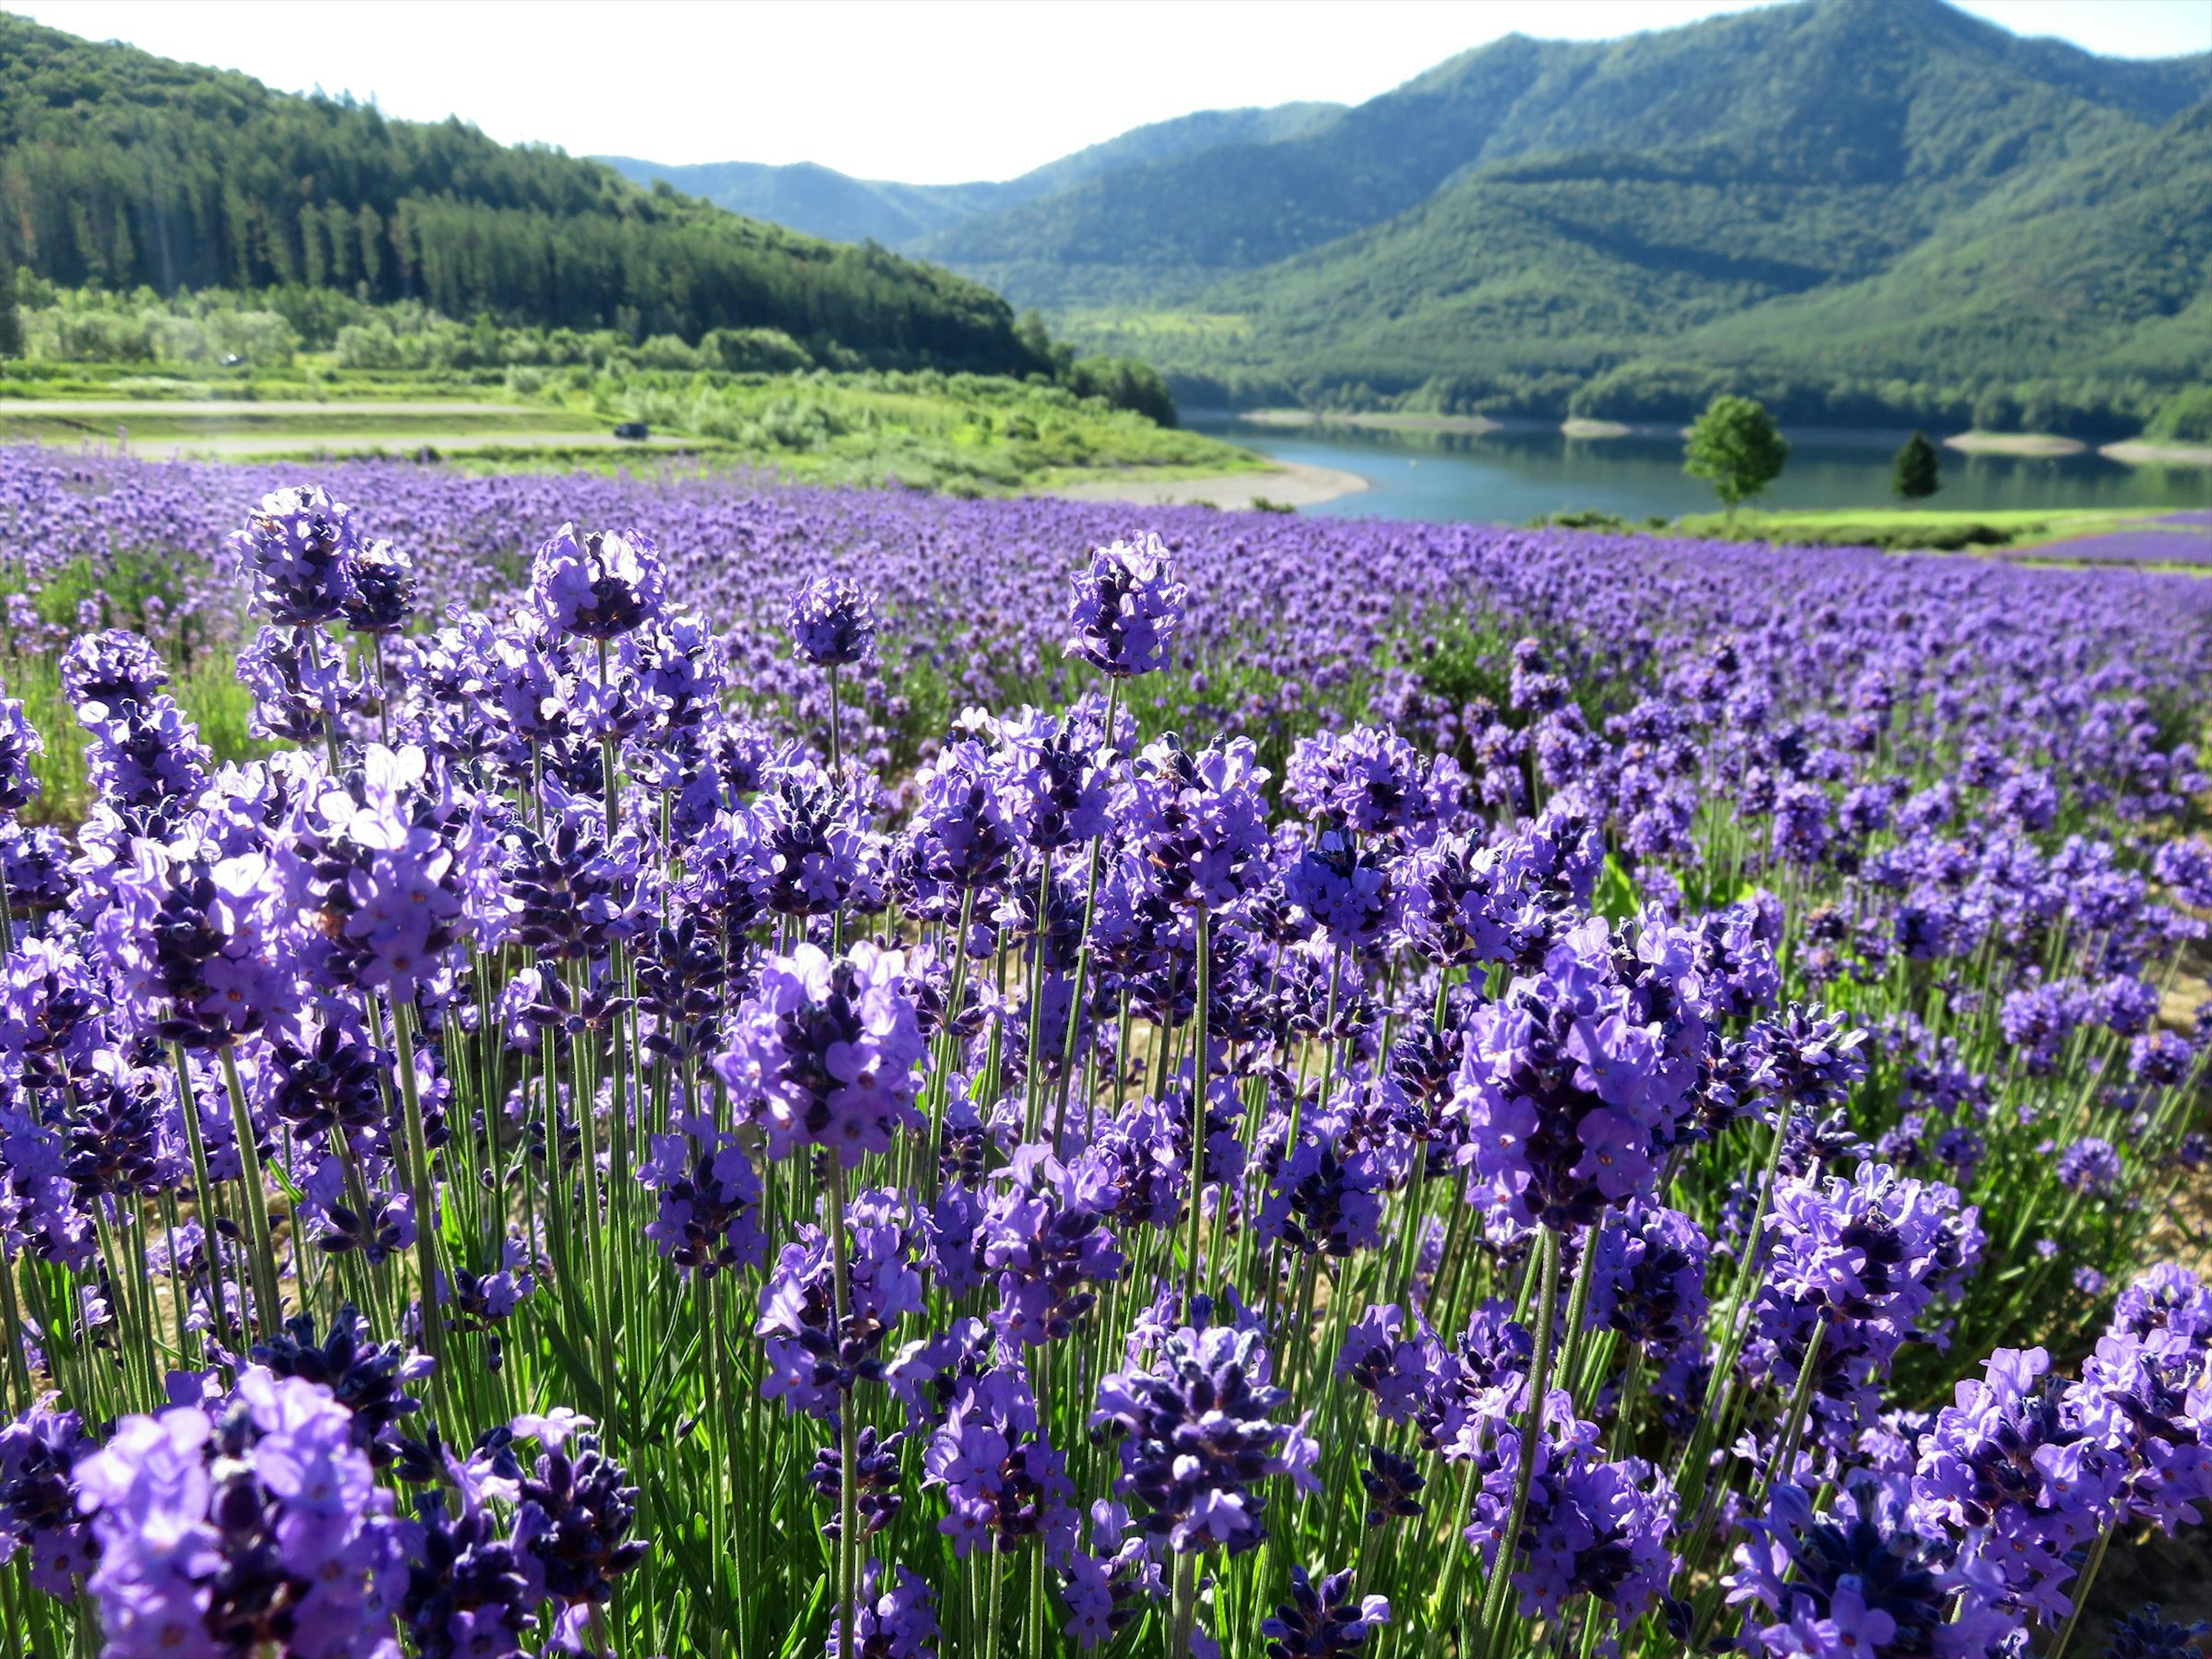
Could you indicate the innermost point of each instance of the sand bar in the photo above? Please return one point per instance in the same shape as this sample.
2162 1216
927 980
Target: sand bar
1583 429
2137 454
2013 443
1292 484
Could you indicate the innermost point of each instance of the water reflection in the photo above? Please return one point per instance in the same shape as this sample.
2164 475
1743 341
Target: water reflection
1518 472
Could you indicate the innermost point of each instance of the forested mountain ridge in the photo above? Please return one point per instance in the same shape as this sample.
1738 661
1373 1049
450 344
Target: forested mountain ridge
1859 208
1911 94
120 168
823 202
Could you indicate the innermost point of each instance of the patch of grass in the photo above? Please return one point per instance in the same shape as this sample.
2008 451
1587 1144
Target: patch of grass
1903 529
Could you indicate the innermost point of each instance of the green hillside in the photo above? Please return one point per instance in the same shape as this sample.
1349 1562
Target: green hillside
1861 207
119 168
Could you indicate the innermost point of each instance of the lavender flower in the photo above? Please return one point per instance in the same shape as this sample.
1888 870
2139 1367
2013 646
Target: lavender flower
20 747
1321 1621
1127 607
1580 1077
828 1053
898 1623
832 623
301 546
1855 1579
598 586
1197 1428
38 1451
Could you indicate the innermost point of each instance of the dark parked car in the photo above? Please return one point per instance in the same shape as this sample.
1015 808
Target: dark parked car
633 429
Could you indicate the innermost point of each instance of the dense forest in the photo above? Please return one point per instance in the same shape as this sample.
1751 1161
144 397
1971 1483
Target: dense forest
119 169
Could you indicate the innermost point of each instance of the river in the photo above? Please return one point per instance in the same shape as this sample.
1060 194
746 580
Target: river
1516 473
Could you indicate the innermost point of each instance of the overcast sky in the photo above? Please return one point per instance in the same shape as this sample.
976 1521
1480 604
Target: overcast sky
929 91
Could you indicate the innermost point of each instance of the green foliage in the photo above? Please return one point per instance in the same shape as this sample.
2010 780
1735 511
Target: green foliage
2184 418
11 321
1737 447
1918 473
968 433
1122 383
123 169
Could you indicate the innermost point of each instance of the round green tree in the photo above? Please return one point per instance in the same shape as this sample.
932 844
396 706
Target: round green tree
1917 474
1737 446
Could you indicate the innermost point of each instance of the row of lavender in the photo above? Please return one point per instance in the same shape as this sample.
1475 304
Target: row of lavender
1641 1066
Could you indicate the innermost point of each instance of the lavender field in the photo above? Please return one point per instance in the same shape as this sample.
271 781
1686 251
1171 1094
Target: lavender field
666 1067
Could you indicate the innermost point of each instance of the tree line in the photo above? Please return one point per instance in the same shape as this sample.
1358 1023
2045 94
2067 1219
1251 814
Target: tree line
119 170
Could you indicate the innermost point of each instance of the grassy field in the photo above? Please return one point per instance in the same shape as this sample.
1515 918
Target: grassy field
964 433
1945 530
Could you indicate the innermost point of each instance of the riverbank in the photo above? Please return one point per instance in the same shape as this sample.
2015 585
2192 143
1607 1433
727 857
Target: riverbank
2152 538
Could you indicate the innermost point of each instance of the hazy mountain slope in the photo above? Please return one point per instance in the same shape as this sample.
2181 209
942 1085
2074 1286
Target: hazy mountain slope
823 202
118 168
820 200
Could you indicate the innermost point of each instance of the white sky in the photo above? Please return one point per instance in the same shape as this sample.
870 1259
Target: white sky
929 91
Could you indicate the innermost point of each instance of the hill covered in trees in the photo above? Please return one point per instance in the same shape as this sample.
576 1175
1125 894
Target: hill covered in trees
1856 208
119 169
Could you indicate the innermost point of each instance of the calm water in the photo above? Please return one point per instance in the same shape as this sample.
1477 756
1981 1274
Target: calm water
1519 473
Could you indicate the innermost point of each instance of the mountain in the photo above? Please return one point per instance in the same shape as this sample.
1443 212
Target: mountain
823 202
119 168
1816 197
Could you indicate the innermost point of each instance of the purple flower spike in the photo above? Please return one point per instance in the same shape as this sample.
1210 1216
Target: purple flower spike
301 546
598 586
828 1053
19 746
1321 1621
832 623
1197 1424
1127 607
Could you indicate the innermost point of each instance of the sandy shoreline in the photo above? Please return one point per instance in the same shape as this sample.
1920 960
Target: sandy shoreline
2135 452
2013 443
1291 485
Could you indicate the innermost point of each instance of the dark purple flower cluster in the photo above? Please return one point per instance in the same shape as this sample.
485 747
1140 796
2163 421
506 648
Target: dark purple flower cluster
259 1522
1127 607
1579 1079
828 1053
832 623
1853 1268
1195 1419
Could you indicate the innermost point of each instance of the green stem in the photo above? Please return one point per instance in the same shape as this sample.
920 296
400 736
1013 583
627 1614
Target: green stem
1532 1428
2082 1591
847 1431
418 1179
267 1298
202 1189
1198 1090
